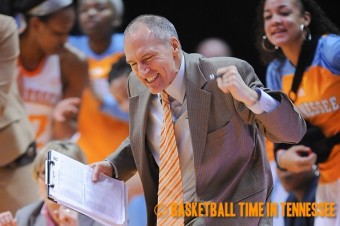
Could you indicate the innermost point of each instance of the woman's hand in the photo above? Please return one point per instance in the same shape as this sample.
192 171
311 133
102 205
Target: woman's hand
66 216
296 159
6 219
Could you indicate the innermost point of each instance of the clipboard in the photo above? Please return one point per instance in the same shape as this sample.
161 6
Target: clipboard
69 184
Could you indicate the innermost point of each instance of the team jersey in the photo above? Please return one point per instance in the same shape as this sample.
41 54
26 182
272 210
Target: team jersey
99 134
41 90
318 96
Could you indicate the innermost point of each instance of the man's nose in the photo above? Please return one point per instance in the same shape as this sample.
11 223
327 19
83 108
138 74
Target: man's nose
143 70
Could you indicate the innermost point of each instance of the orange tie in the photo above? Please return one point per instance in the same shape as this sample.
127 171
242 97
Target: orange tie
170 189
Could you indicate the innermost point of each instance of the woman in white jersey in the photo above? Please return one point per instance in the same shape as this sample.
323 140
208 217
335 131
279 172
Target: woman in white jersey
51 75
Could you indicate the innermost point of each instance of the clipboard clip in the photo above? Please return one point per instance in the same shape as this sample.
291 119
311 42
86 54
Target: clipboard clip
48 164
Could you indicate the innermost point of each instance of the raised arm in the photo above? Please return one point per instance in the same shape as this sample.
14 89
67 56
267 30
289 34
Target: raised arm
275 115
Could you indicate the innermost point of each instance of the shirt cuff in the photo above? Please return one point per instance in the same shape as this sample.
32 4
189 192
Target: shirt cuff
114 169
266 103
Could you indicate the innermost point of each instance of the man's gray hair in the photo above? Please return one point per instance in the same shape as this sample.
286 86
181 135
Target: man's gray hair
161 27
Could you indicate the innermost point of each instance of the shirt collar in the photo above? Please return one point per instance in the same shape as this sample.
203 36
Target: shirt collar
177 88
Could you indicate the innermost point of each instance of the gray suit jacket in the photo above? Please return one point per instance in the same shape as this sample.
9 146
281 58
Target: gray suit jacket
30 216
15 129
229 153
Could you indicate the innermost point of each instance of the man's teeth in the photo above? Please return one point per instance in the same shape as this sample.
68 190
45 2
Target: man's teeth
151 79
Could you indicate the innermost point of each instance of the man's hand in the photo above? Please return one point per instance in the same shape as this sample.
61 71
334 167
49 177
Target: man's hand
230 81
101 167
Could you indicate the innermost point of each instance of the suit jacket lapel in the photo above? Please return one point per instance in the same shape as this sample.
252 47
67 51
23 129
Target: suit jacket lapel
145 163
139 105
39 220
35 218
198 111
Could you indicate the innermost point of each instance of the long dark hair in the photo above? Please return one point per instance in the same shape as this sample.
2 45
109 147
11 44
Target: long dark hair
320 24
12 7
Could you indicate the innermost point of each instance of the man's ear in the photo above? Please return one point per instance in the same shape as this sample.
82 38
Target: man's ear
175 44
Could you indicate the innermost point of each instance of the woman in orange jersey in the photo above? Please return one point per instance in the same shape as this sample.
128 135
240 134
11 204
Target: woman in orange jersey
102 124
302 47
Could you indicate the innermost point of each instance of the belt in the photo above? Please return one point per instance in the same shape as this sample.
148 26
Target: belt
25 158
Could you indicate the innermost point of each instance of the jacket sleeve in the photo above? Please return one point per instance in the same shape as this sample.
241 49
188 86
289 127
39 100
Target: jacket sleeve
284 124
9 49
